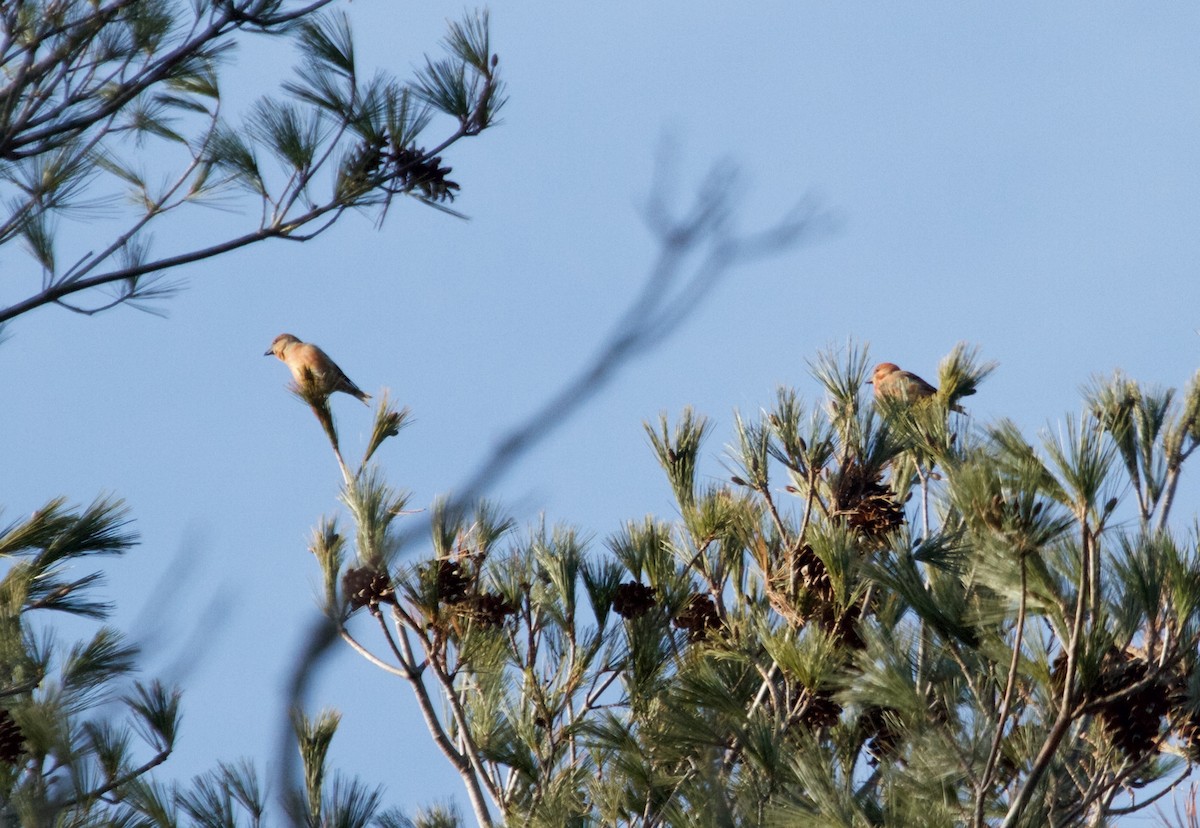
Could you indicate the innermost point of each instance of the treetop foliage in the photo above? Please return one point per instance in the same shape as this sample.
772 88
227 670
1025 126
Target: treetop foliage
889 615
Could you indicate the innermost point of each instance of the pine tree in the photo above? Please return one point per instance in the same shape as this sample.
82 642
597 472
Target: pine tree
66 758
889 615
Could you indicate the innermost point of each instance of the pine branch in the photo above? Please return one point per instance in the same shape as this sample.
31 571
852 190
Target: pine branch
467 769
79 121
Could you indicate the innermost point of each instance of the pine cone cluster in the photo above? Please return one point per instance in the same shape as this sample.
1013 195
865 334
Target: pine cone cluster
633 599
414 171
361 169
399 170
698 617
813 589
454 580
815 601
811 575
864 502
1134 720
366 587
820 710
488 609
12 740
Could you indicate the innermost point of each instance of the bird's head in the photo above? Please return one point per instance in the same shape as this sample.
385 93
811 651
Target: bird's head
280 344
882 371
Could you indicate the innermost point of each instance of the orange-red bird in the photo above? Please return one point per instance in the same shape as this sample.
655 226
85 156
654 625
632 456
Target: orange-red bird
309 364
893 383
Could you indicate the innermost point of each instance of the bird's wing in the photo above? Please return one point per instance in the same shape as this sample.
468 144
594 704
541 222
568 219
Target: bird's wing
337 379
918 386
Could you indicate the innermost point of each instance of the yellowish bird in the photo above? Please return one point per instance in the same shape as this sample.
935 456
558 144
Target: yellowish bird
893 383
312 367
890 381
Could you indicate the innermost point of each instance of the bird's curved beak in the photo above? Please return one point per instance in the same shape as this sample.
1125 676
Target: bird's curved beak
269 352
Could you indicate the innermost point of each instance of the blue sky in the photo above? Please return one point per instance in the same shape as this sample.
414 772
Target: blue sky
1022 177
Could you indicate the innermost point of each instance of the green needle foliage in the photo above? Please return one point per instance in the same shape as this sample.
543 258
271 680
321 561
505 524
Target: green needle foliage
59 757
112 110
890 615
80 735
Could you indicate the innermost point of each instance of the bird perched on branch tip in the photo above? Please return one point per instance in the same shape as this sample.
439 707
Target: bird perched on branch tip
893 383
312 368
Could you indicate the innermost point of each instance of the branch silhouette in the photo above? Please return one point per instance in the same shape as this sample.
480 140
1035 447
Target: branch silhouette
698 248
